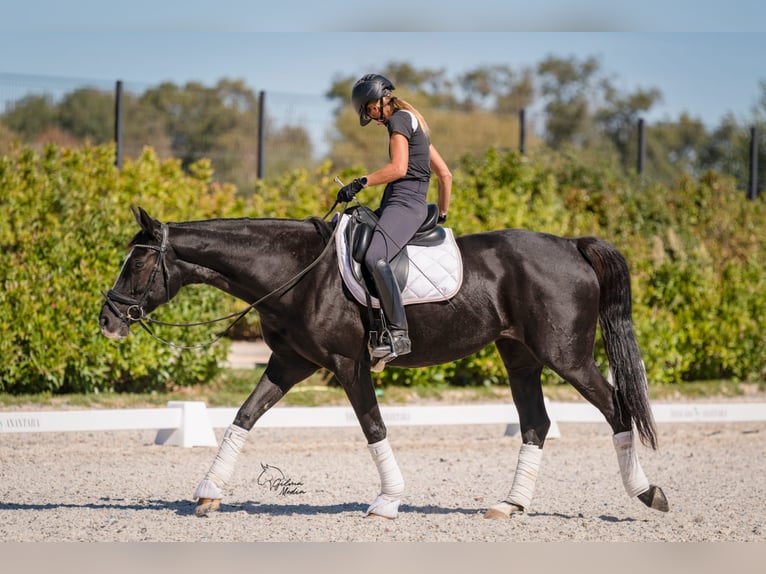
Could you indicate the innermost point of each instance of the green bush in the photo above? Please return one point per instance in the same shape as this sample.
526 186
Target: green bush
695 250
64 230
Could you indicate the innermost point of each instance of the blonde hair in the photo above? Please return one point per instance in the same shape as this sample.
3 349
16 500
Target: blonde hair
399 104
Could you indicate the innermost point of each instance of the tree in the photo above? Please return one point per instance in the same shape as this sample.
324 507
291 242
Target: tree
88 115
31 115
619 117
674 147
520 93
143 126
496 88
567 86
221 122
726 149
195 116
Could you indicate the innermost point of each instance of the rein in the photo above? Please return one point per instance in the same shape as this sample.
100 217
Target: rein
135 313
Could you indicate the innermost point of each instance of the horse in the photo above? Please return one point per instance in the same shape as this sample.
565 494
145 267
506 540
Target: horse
538 297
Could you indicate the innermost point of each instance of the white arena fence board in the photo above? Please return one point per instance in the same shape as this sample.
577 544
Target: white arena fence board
191 423
90 420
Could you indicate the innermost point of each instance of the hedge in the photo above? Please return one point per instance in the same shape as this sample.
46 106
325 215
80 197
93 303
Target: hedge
695 250
64 230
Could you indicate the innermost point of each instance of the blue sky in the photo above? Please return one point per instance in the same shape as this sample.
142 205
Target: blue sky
705 60
393 15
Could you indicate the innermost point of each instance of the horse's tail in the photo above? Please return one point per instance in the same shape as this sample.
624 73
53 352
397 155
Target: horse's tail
615 318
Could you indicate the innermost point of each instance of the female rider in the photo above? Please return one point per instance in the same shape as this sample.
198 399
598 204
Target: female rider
403 206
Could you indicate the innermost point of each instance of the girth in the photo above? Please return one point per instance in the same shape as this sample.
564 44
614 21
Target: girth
359 231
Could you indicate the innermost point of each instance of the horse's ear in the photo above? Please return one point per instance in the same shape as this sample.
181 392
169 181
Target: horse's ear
144 220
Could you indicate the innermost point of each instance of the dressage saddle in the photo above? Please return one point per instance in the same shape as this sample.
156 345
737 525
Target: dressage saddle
359 230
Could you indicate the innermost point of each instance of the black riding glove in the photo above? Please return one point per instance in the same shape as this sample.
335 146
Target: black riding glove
441 219
347 192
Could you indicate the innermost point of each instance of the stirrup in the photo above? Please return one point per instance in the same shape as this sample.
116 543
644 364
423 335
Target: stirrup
389 346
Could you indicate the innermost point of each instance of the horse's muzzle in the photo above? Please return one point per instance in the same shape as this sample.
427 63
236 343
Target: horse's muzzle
112 325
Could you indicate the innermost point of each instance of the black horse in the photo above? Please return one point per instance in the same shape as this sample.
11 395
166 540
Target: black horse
538 297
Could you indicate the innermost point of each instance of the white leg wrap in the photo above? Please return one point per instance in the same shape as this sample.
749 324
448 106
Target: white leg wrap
391 480
633 477
223 465
525 478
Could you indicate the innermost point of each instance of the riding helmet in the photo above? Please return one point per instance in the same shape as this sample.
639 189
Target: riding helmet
368 88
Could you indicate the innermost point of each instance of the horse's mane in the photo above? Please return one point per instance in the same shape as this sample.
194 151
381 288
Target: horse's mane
323 227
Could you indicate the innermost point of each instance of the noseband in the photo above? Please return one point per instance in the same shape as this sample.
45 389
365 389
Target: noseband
135 311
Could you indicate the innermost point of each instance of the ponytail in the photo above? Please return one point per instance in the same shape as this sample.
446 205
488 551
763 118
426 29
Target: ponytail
399 104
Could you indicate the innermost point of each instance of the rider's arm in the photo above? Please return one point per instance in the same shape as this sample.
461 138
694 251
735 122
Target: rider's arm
397 167
444 176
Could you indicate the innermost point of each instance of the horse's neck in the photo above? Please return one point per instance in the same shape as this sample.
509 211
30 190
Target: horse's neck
245 257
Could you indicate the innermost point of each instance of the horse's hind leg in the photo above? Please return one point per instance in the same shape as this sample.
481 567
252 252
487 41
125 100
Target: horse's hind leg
280 376
594 387
524 372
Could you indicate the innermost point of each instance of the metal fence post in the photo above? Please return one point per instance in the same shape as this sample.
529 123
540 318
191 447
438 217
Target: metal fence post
261 131
641 146
752 191
118 124
522 131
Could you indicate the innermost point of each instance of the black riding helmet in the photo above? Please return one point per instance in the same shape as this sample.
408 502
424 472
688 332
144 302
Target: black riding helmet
366 89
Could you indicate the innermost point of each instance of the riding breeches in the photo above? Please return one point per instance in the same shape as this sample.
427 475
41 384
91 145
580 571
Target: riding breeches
402 211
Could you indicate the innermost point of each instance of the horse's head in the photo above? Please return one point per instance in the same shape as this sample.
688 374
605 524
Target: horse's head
143 283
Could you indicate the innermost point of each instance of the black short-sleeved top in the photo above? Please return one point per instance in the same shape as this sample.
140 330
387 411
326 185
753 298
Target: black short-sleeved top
405 123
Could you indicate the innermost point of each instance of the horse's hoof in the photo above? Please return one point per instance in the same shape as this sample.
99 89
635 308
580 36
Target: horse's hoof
503 510
376 515
655 498
384 506
207 505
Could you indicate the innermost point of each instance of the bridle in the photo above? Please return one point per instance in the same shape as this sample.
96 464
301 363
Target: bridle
135 313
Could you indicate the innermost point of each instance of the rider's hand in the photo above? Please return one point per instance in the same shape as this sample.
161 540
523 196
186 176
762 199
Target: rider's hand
347 192
441 219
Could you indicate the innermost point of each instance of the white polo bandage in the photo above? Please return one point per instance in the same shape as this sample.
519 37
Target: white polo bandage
391 480
633 477
525 478
223 466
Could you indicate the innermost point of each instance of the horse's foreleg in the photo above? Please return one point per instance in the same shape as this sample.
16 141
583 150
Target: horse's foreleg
209 492
357 383
524 374
387 502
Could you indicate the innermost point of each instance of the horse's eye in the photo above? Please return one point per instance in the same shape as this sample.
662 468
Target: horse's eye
138 264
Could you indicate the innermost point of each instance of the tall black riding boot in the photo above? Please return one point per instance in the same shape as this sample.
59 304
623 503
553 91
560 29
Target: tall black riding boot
391 302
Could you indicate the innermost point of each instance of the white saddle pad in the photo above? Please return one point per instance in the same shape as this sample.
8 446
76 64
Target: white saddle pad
435 274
